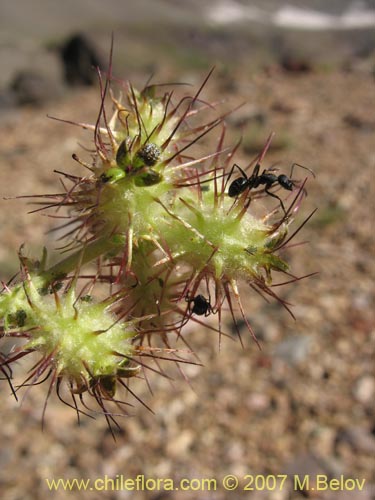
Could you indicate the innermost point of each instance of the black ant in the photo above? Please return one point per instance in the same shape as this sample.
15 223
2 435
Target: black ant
267 178
202 306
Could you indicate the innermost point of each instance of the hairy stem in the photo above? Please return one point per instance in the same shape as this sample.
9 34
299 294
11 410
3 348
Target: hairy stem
88 253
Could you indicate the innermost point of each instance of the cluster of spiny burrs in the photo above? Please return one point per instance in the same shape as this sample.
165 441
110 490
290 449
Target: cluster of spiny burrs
167 237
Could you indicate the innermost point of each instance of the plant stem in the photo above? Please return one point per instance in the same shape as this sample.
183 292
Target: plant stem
86 254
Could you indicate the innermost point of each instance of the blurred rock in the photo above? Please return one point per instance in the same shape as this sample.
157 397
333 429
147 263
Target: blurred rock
295 64
364 389
258 402
359 439
7 100
248 115
365 494
357 122
31 87
80 58
294 349
283 107
306 465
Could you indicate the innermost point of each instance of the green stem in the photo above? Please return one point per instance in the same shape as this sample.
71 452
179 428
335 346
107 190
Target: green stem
88 253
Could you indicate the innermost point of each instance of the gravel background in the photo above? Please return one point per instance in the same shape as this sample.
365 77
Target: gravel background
302 405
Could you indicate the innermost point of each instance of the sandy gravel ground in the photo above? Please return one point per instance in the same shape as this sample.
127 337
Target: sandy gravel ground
304 404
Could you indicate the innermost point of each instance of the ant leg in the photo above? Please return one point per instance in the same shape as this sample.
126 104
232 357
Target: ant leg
277 197
188 312
209 308
240 169
301 166
256 171
253 180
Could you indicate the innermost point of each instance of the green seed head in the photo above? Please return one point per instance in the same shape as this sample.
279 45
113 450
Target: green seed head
81 339
162 231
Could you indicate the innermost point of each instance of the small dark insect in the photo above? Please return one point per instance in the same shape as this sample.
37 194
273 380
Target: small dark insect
266 178
149 178
18 318
149 154
202 306
138 165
